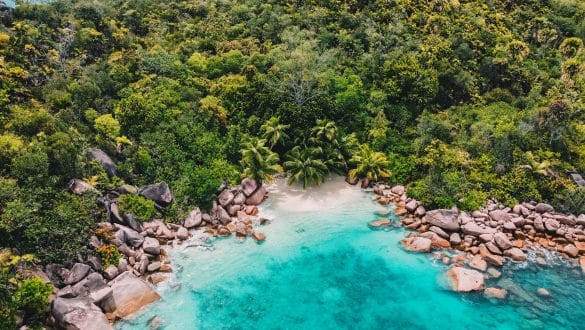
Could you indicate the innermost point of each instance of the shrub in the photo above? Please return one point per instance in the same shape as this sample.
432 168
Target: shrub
32 297
107 126
109 255
571 201
473 200
141 207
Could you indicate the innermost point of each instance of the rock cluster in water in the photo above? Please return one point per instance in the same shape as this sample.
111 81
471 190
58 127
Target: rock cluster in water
486 238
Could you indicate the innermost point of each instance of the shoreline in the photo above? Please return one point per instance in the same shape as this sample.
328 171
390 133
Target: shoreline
442 232
486 239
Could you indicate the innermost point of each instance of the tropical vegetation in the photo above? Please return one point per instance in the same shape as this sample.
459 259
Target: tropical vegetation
462 101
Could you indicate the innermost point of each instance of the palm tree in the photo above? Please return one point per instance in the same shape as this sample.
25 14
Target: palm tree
305 165
368 165
259 162
273 131
324 130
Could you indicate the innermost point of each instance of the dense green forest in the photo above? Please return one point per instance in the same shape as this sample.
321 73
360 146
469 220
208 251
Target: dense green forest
462 100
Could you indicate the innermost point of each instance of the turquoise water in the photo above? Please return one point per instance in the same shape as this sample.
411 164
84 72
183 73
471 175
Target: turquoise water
321 267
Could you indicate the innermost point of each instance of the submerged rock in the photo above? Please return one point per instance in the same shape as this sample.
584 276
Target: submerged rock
515 254
497 293
478 263
380 223
465 280
259 237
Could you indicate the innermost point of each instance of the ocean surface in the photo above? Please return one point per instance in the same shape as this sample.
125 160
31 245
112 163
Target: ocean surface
322 267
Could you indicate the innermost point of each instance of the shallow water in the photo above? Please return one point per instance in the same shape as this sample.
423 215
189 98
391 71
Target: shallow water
321 267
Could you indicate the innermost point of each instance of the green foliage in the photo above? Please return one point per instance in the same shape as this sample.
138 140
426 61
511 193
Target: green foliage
109 255
28 295
369 164
258 162
466 101
107 126
200 183
141 207
32 297
273 131
305 166
571 201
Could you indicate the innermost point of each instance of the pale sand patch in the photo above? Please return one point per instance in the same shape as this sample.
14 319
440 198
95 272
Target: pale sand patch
333 193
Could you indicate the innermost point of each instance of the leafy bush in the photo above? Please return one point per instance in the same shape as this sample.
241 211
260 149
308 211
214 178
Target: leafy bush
473 200
141 207
571 201
109 255
32 297
199 184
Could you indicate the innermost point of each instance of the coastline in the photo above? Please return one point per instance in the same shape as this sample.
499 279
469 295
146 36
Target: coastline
470 264
486 239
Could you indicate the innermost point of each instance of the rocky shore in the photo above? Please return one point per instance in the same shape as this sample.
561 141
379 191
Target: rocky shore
485 239
90 295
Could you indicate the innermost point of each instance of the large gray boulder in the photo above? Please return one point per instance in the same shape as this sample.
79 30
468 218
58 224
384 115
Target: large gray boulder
101 157
239 199
444 219
131 294
114 214
226 197
129 236
131 220
79 314
472 228
78 187
500 215
160 193
257 197
502 241
249 186
78 272
193 219
223 216
99 292
151 245
543 208
182 233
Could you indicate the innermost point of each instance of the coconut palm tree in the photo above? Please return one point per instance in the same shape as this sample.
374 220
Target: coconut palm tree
305 166
274 131
368 165
324 130
259 162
